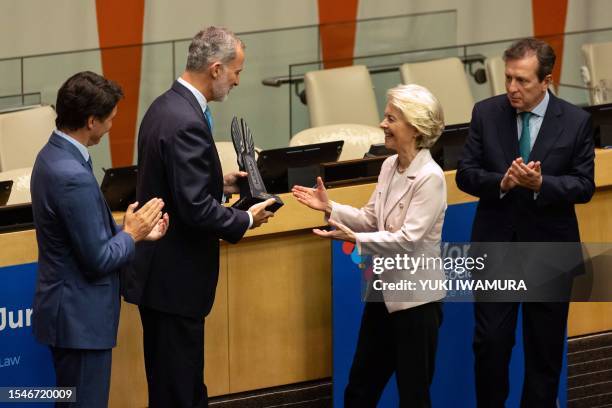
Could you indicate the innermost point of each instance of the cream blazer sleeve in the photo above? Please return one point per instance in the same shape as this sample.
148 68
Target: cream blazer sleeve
421 223
357 219
362 219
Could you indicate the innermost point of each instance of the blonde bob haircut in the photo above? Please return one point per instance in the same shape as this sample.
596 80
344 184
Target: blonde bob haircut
420 109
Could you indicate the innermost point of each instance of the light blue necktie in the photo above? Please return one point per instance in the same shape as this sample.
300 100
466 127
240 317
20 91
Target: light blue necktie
525 141
209 118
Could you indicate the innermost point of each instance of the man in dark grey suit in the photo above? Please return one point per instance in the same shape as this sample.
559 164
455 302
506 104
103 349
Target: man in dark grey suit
529 157
81 249
174 280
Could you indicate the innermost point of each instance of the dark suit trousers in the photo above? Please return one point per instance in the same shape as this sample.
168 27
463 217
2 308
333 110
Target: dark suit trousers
174 359
87 370
403 342
544 327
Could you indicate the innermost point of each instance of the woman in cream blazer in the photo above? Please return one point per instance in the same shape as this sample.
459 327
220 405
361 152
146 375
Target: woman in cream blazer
399 329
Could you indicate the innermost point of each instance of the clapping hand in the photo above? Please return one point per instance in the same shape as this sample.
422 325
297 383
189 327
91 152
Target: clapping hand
160 228
527 175
138 224
520 174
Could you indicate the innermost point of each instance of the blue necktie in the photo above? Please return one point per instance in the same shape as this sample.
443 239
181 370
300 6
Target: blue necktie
525 141
209 118
90 164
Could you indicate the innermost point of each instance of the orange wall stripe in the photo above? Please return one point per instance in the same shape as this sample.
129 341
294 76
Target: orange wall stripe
337 40
121 23
548 19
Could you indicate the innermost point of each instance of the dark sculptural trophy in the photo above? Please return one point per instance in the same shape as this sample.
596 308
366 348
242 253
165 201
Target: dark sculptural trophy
252 188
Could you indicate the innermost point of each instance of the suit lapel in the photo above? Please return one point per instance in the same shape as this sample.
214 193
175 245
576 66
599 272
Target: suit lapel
395 196
72 150
186 93
112 226
549 131
508 132
386 178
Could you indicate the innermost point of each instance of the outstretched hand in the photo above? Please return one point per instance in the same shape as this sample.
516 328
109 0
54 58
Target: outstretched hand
341 232
315 198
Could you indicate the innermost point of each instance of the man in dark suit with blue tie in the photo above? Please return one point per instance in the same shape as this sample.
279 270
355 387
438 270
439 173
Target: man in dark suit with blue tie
81 249
174 280
529 158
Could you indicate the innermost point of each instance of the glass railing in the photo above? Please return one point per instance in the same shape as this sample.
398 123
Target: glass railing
268 110
17 101
379 47
276 113
269 53
571 87
384 70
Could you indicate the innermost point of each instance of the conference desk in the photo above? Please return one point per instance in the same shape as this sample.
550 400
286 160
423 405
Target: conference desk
271 322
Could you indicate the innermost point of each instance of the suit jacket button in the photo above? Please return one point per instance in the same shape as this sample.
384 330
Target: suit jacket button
401 205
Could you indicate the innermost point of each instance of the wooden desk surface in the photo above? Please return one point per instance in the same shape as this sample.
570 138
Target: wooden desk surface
260 336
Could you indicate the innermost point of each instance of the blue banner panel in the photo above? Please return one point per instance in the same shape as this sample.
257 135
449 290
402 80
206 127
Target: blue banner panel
23 362
453 384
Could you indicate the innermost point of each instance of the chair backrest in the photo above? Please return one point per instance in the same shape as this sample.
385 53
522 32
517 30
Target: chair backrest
341 95
227 156
20 193
495 67
598 59
22 134
357 138
446 79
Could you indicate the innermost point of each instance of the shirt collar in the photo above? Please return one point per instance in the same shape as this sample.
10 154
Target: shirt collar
541 107
198 95
82 148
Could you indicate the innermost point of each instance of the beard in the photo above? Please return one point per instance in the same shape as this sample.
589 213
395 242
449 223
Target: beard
220 90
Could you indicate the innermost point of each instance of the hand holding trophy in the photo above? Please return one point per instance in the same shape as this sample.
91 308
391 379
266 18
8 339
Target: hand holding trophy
252 188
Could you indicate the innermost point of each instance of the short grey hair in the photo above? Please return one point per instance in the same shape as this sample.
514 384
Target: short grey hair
420 109
212 44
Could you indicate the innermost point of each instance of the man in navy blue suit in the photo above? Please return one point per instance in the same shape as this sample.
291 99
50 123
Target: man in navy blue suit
81 249
174 280
529 158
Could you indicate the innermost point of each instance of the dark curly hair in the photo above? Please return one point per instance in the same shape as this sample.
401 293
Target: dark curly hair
541 49
83 95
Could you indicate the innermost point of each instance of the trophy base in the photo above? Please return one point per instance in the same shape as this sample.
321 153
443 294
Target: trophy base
246 202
